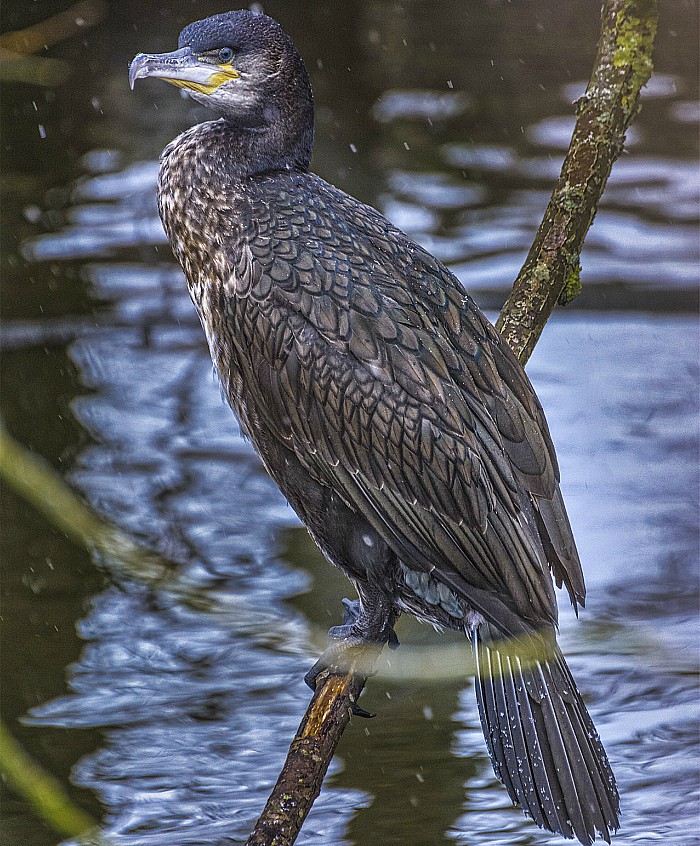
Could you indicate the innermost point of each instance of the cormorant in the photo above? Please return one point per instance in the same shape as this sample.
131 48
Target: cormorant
392 415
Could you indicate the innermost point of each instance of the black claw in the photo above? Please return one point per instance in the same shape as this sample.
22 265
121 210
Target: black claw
360 712
312 675
357 629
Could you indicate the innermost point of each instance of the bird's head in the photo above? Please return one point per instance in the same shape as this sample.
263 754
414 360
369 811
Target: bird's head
247 69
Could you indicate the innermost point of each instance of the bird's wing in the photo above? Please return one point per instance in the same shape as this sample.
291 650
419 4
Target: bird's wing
389 384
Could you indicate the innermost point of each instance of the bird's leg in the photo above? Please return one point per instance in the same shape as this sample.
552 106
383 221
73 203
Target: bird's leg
352 617
367 620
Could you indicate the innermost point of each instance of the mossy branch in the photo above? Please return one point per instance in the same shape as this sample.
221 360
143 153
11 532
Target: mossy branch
551 273
17 62
43 487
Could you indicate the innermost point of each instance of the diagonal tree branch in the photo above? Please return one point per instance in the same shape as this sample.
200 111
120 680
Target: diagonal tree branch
551 271
312 749
550 274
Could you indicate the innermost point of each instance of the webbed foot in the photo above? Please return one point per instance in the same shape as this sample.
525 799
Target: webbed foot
353 621
361 625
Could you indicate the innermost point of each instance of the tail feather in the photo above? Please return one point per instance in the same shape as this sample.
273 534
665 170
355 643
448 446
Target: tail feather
542 741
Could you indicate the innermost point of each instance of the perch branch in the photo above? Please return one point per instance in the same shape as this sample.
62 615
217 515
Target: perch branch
551 273
311 751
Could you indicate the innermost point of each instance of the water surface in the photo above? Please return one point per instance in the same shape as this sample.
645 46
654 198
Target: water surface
170 710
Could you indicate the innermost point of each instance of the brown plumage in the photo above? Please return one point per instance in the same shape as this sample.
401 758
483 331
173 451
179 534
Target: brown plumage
392 415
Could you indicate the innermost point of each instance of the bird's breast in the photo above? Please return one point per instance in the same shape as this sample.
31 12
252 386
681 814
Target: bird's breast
199 206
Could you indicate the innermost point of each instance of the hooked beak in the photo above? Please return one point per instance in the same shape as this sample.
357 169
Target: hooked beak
182 68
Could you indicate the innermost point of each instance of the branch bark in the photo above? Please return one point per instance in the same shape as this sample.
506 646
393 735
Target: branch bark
550 274
311 751
551 271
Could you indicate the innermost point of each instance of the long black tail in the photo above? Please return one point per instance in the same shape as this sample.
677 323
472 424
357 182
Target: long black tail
542 741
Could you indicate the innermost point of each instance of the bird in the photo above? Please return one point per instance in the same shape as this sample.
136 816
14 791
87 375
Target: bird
391 414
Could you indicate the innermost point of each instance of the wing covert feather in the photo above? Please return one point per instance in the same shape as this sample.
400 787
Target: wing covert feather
390 386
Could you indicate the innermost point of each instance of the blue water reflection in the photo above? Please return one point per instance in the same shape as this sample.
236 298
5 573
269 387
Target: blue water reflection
196 686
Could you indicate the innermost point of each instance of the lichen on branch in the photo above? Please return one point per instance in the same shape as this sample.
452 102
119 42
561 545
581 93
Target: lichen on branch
551 272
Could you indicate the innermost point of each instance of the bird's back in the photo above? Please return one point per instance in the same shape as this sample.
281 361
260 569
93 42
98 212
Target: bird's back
337 335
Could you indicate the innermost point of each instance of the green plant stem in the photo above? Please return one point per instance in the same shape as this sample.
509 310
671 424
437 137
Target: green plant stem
43 792
33 478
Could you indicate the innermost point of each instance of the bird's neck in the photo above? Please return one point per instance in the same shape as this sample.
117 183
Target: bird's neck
251 151
234 153
195 184
276 136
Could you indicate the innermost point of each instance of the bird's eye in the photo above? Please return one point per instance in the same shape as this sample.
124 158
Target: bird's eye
225 55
